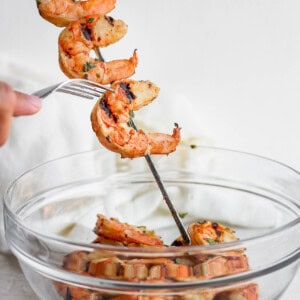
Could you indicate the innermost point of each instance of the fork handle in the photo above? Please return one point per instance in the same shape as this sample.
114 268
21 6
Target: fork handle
46 91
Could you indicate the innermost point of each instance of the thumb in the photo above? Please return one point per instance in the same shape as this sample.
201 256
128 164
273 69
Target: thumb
26 104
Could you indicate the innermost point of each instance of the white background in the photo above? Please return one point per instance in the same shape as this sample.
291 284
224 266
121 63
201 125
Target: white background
238 58
229 70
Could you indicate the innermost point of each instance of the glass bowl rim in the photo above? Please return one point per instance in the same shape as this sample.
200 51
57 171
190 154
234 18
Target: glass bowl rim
150 251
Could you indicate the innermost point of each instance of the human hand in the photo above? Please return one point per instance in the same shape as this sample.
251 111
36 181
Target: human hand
12 104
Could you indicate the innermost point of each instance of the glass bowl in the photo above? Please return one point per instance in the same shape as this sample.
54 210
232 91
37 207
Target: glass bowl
51 211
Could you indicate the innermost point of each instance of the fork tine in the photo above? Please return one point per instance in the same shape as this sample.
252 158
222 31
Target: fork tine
91 85
78 93
94 91
81 91
77 87
83 88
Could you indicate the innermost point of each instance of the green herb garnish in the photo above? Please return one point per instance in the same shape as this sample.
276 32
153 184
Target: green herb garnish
210 241
131 114
182 214
88 66
130 123
90 20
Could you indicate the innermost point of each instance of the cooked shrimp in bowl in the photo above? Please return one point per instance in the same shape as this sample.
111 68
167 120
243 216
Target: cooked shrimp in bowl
158 269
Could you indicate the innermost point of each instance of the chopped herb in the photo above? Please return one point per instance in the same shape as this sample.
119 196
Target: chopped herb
131 114
211 241
182 214
66 230
130 123
193 146
90 20
88 66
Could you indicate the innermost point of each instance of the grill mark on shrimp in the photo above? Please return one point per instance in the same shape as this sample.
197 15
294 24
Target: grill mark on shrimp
129 94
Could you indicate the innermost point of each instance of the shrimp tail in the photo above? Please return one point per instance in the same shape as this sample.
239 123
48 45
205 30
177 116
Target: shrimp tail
116 70
160 143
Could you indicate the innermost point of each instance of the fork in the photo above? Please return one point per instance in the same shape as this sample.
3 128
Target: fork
78 87
93 91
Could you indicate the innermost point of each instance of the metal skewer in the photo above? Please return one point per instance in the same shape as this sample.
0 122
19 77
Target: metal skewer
165 195
159 182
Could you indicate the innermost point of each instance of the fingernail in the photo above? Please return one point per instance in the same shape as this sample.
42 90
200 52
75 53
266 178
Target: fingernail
34 101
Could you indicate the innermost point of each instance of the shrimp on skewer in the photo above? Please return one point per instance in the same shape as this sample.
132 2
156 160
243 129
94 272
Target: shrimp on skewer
81 37
63 12
111 121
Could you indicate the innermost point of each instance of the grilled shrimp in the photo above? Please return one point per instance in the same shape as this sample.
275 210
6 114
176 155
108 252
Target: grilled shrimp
111 119
114 230
207 233
81 37
159 269
62 12
154 270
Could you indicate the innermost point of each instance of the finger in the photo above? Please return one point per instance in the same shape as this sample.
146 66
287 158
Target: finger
14 103
7 100
26 104
5 124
